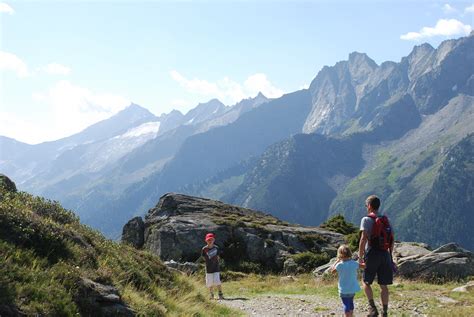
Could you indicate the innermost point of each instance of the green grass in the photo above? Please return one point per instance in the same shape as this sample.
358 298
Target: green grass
45 252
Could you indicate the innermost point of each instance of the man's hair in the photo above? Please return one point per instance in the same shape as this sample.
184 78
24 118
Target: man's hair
343 252
373 201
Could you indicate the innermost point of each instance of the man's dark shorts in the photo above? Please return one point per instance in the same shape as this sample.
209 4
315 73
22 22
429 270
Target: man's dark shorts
378 262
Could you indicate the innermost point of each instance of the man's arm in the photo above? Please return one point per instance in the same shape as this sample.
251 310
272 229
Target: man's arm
362 243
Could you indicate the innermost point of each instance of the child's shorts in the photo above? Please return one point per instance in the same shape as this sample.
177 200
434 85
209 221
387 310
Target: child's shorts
347 302
213 279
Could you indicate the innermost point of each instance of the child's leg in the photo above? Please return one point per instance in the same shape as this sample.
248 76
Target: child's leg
351 307
219 287
209 284
347 304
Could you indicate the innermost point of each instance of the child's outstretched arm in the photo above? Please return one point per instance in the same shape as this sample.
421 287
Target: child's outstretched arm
333 267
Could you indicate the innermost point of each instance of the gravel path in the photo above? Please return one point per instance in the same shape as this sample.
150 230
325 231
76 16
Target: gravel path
310 305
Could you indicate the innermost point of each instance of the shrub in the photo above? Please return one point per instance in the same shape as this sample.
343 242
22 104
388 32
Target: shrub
352 241
310 260
312 240
249 267
339 224
242 266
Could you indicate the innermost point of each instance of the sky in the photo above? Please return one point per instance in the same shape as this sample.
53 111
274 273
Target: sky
65 65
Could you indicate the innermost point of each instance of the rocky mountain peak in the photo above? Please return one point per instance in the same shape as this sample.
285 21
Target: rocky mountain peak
137 111
361 59
205 111
421 49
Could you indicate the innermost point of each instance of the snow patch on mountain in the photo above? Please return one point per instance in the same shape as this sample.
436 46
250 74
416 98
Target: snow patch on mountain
144 129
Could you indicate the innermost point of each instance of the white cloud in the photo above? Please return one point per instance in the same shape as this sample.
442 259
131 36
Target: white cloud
72 108
228 90
195 85
56 69
304 86
443 27
448 9
5 8
259 83
469 9
23 130
11 62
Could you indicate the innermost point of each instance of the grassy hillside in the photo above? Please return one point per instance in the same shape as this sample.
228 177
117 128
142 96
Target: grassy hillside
46 253
449 205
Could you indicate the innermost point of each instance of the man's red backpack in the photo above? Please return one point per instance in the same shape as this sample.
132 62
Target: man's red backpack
382 233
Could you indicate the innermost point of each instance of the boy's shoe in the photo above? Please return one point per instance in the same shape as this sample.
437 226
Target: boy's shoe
211 296
373 312
221 296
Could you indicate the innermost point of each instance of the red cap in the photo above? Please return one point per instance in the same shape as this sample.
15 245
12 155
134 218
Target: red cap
209 236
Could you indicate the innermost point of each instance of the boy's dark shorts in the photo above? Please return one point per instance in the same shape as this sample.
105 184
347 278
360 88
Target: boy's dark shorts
378 262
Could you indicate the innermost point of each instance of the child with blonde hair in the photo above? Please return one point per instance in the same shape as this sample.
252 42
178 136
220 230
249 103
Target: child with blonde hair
348 285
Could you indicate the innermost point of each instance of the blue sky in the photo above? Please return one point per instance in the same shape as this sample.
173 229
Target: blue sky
66 65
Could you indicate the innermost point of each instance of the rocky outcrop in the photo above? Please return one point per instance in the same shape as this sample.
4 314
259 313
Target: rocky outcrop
417 260
95 299
133 232
447 262
7 184
405 250
324 269
176 227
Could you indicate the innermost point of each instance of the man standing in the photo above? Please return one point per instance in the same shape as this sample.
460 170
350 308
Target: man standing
375 249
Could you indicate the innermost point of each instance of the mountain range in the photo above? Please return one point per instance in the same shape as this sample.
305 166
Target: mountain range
403 130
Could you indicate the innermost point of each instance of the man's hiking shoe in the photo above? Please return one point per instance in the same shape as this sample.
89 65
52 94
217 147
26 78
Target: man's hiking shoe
221 296
373 312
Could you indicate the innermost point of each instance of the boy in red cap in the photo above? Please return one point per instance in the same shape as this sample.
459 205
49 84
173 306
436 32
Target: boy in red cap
210 252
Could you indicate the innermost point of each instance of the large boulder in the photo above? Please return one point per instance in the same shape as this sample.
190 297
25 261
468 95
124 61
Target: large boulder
405 250
325 268
175 230
133 232
96 299
447 262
